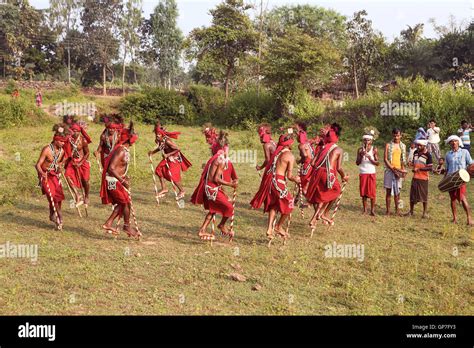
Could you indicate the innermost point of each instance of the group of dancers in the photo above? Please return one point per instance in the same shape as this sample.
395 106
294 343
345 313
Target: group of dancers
316 179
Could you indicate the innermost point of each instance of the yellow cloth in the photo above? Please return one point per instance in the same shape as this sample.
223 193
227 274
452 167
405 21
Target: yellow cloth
396 158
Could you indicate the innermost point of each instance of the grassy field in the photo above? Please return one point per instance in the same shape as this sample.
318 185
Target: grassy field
411 266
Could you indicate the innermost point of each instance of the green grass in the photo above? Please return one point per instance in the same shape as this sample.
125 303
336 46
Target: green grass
409 266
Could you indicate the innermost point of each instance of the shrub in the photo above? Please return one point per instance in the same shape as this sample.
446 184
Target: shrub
252 106
442 103
16 112
207 101
169 106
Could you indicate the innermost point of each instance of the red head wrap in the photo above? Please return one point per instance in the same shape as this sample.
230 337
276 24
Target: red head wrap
162 132
60 138
331 137
264 134
302 137
75 127
125 136
285 141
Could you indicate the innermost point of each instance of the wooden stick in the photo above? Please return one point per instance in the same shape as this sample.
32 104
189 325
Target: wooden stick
234 195
172 182
154 180
78 177
300 192
58 221
134 160
338 202
132 210
72 195
98 164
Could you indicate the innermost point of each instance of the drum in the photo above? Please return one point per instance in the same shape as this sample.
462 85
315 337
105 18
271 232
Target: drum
470 170
454 181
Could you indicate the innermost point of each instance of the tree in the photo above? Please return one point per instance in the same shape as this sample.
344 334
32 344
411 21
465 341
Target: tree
412 54
166 40
99 20
298 60
314 21
129 25
363 51
64 16
412 35
19 23
230 37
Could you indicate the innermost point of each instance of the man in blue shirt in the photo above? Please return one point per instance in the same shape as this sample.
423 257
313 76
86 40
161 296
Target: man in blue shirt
464 133
458 158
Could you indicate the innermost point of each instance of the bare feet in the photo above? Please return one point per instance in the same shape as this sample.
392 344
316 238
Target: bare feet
109 229
128 231
203 235
162 192
225 231
180 196
314 220
281 233
327 221
470 222
364 212
425 216
372 213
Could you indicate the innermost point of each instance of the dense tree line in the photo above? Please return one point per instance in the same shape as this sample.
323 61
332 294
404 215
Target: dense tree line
285 50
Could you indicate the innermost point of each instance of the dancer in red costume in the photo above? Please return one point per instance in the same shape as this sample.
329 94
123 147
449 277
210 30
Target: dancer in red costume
210 193
269 146
110 136
48 167
273 192
115 186
173 161
306 154
324 188
77 168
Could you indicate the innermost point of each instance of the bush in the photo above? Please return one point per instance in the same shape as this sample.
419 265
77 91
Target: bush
250 106
16 112
442 103
152 103
10 87
207 101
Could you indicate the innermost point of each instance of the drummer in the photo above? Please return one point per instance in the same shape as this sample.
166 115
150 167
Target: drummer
458 158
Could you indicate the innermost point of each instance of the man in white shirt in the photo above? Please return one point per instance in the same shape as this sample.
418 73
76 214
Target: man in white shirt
433 139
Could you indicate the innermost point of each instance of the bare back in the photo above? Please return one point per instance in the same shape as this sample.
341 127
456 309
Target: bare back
284 164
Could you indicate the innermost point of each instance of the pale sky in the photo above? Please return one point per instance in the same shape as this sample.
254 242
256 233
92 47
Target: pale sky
388 16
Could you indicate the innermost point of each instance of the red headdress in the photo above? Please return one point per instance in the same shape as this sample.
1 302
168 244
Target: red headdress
211 135
76 127
59 137
264 133
162 132
331 137
126 135
302 137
